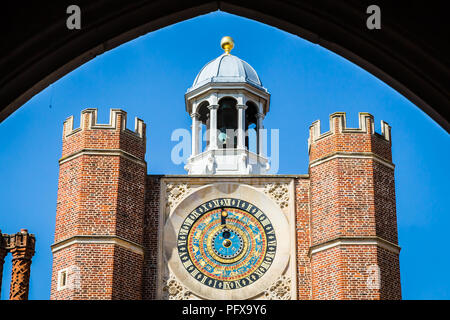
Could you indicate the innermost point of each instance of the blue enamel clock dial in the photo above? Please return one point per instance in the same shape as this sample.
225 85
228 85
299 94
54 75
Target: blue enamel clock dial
227 243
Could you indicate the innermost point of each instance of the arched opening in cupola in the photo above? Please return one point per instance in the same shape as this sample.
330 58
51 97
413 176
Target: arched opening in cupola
227 123
203 117
251 127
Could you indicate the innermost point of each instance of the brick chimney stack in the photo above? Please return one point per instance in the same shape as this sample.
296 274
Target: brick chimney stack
22 246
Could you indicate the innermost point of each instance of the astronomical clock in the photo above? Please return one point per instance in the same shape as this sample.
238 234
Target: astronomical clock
226 243
227 240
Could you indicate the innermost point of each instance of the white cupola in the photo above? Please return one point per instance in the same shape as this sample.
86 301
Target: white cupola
227 103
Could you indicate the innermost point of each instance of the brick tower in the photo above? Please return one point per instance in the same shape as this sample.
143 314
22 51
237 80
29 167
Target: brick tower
98 252
354 251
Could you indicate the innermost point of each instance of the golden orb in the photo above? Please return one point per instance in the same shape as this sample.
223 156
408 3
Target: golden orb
227 44
224 214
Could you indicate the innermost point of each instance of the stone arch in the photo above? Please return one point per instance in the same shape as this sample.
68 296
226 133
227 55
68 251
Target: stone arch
29 64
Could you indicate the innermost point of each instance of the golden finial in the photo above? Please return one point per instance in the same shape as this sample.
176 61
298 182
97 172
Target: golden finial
227 44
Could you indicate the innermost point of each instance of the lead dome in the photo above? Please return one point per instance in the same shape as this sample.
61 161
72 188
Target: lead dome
225 69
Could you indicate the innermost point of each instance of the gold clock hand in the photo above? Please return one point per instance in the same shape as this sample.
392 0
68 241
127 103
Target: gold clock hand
224 216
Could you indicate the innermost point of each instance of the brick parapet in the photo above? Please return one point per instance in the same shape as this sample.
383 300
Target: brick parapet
92 136
340 139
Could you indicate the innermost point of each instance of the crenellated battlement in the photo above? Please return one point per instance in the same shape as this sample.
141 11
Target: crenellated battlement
338 124
117 121
92 136
341 139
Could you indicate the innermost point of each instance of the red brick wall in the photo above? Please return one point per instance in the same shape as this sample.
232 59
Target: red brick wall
342 199
303 240
390 271
101 195
127 275
384 201
95 263
326 275
151 236
355 263
342 273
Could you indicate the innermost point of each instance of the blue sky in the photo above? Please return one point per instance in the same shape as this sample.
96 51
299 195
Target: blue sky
147 77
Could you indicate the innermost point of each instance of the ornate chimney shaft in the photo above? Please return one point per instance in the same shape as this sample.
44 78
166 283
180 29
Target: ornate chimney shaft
22 249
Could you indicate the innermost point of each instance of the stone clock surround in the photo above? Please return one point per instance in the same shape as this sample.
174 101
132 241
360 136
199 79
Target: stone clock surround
273 195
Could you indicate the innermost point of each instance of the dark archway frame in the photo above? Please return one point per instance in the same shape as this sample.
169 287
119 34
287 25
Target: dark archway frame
410 53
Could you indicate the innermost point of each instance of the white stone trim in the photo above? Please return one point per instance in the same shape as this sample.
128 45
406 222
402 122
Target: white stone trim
235 87
98 239
376 241
103 152
354 155
228 161
59 286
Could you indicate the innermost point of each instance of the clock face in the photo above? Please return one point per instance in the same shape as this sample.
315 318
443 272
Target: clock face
226 243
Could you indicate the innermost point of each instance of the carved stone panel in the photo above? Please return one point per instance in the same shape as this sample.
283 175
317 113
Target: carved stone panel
279 192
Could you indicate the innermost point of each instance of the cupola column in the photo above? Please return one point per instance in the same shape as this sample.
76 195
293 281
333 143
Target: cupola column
241 126
259 132
213 126
195 130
